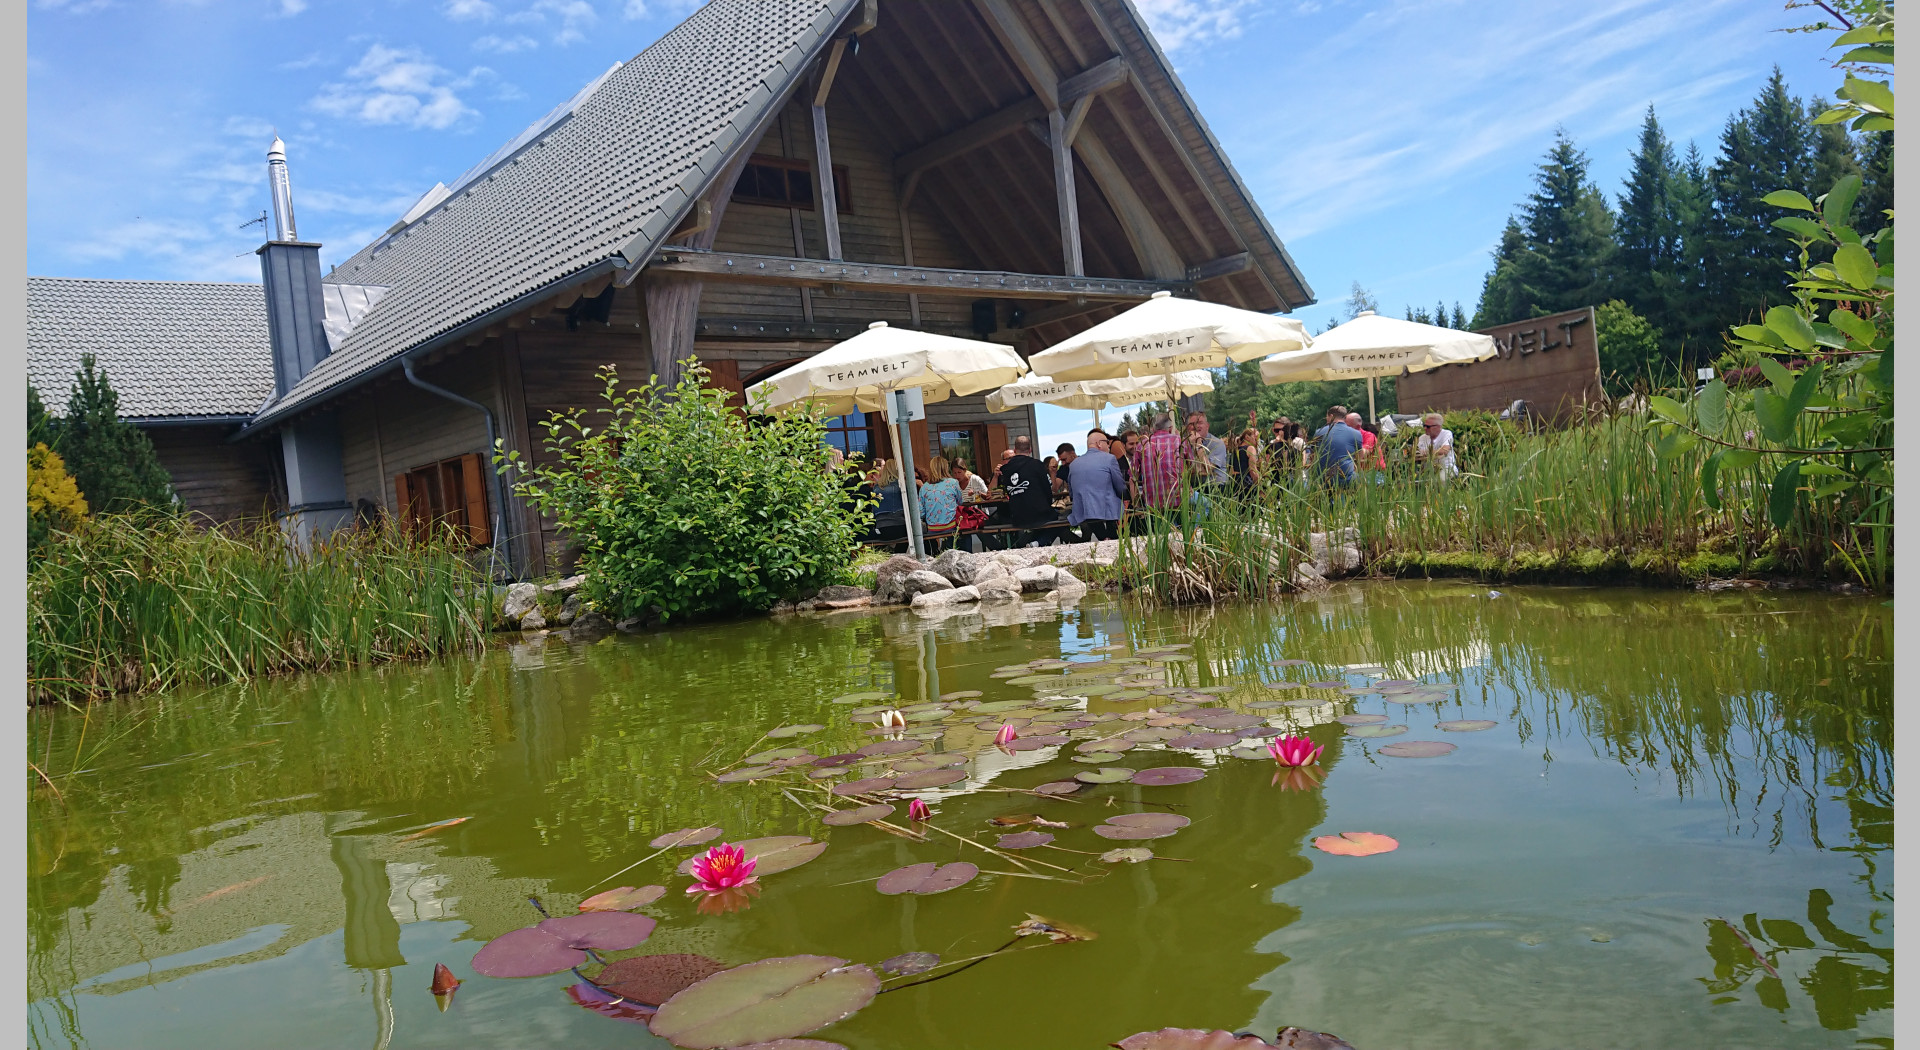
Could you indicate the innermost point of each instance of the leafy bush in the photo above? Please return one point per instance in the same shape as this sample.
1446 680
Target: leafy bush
54 502
683 506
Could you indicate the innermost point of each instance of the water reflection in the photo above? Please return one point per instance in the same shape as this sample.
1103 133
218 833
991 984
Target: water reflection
236 829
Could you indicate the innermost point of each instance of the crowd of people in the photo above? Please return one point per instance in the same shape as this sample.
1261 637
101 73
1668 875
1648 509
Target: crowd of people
1085 494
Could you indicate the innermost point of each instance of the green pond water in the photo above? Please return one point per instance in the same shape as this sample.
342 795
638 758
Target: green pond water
1678 831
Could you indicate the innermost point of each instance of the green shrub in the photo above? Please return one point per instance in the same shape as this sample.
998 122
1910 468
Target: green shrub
111 459
683 506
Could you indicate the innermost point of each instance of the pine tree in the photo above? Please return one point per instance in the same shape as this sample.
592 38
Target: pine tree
1558 254
1763 148
1439 314
1876 172
1832 153
1459 317
1500 295
113 462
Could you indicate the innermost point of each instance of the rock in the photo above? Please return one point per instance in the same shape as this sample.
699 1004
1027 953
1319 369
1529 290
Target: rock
520 598
631 625
956 565
987 569
945 596
840 592
1346 558
1012 559
886 579
1306 578
566 586
589 623
569 610
1001 588
780 608
1036 578
806 605
534 620
849 603
920 581
1067 587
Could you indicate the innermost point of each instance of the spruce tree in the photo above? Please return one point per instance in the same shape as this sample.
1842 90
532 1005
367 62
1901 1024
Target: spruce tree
1501 296
1763 148
1876 172
113 462
1558 254
1459 317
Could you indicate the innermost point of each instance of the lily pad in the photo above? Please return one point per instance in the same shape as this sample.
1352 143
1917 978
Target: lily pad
1249 751
961 694
606 1004
560 943
1260 732
1127 855
653 979
881 748
1035 743
1374 732
1192 1039
1266 705
786 732
1023 840
1465 725
842 818
1356 843
1144 734
1203 741
910 963
1325 685
623 898
767 1000
836 761
1163 776
997 706
1360 720
775 853
1419 749
746 773
864 786
1227 721
930 779
1125 833
1058 787
1104 775
861 698
1170 821
927 877
780 752
686 837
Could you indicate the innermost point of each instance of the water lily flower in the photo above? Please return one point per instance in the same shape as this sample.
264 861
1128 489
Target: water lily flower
723 867
1294 751
892 719
1297 778
1005 736
917 810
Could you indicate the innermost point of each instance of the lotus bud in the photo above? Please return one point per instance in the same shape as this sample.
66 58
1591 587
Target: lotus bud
917 810
1294 751
1005 736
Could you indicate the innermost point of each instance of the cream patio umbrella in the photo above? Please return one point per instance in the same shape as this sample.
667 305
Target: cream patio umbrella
860 373
1165 336
1096 394
1370 346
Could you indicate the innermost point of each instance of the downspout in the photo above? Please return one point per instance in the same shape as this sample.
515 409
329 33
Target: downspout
493 476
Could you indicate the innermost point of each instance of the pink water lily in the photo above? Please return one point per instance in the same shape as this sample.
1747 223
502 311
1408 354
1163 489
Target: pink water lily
1005 736
1295 751
917 810
723 867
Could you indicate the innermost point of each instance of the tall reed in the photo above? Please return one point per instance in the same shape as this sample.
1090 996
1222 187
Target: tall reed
129 604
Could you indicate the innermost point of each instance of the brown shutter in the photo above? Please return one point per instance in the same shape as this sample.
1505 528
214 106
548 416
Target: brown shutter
996 443
726 376
473 486
402 502
917 433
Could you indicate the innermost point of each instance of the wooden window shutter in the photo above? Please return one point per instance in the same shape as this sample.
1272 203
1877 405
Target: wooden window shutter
996 443
917 433
726 376
473 486
402 501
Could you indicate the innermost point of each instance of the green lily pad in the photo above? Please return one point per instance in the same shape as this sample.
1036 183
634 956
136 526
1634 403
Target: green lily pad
787 732
1374 732
746 773
1465 725
997 706
1419 749
1361 720
861 698
780 752
1104 775
1127 855
842 818
764 1001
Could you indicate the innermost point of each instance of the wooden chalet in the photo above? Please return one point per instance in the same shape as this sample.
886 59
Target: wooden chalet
761 182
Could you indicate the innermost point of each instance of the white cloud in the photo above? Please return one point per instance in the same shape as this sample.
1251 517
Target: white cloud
504 45
469 10
573 18
400 86
1178 23
638 9
75 7
289 8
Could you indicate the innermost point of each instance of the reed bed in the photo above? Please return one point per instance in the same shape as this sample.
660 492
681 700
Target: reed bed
1591 501
131 604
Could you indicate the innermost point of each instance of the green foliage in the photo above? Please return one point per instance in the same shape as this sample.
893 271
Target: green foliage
1629 346
147 600
40 425
54 502
681 506
1558 254
113 462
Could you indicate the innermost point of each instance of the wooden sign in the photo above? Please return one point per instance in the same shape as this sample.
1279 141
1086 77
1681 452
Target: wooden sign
1551 362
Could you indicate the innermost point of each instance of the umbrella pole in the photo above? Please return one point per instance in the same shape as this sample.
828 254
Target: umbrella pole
909 497
1371 418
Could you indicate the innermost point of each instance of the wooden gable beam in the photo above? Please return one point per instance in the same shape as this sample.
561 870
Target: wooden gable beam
768 269
1073 92
1028 57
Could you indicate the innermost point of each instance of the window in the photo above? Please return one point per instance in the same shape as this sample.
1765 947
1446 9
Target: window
782 183
963 445
452 492
851 434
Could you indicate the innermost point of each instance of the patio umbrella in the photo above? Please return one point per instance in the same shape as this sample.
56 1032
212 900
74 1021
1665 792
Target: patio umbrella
859 373
1370 346
1164 335
1095 394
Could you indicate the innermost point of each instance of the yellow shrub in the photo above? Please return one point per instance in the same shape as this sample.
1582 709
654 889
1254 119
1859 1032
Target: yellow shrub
54 501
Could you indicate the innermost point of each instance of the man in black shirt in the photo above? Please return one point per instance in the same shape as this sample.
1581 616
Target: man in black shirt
1029 489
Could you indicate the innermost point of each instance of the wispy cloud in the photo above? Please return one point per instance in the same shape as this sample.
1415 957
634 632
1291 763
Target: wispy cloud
400 86
638 9
504 45
469 10
75 7
1180 23
568 19
289 8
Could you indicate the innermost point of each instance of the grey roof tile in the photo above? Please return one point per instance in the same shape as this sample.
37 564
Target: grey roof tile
170 348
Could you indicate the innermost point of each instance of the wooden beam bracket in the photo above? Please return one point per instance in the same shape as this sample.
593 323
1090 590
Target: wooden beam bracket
1225 266
922 280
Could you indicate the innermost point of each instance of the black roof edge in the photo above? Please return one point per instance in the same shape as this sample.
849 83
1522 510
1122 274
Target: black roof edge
152 422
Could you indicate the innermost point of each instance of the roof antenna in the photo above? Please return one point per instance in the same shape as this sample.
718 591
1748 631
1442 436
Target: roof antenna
260 222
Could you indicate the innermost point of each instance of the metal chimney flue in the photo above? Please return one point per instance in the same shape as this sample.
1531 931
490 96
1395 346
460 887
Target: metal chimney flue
283 227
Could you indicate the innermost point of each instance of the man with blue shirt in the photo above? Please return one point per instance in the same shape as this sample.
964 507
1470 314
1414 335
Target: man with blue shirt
1338 443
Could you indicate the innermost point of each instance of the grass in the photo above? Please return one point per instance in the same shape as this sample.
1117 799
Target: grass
1588 502
125 604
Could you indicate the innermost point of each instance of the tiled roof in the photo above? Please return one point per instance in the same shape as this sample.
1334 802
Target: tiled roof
170 348
602 187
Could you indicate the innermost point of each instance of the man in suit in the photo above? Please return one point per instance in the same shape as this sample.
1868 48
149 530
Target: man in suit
1099 491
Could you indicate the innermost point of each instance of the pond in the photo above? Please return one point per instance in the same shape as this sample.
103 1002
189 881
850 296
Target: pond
1677 829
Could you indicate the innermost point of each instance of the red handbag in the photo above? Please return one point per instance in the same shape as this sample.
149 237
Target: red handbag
970 518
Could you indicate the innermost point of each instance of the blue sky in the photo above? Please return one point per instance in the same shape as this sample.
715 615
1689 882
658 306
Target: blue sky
1386 141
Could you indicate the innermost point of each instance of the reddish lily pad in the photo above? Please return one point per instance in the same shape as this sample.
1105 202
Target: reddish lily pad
1192 1039
653 979
1125 833
880 748
1035 743
841 818
793 1044
560 943
1058 787
772 999
862 787
1419 749
1023 840
910 963
1465 725
1361 720
608 1004
1227 721
837 761
1356 843
932 778
686 837
746 773
927 877
1170 821
624 898
1375 731
1203 741
1164 776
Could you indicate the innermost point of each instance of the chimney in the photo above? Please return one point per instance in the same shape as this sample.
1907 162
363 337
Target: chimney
290 270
